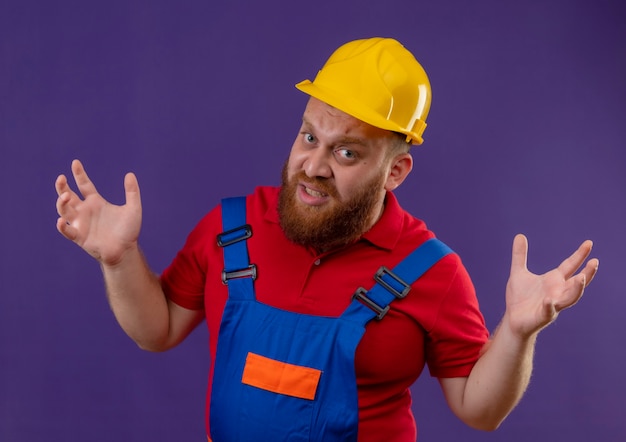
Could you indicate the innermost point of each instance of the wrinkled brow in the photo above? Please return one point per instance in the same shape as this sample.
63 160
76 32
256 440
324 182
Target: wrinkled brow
340 140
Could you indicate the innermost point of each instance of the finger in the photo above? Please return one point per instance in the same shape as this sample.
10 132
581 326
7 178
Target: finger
65 229
64 208
520 253
569 266
61 185
577 284
62 201
572 293
590 270
131 187
84 184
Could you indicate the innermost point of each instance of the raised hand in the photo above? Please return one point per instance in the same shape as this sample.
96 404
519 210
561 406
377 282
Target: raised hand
104 230
534 301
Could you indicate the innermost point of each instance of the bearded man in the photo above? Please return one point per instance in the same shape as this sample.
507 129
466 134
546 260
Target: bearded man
324 299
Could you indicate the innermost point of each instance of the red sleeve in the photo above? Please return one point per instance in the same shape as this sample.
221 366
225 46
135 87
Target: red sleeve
458 331
184 279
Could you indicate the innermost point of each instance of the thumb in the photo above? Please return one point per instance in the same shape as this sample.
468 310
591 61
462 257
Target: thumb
131 187
519 253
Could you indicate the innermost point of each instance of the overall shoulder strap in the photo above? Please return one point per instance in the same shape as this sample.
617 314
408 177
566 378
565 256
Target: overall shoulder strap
237 267
394 284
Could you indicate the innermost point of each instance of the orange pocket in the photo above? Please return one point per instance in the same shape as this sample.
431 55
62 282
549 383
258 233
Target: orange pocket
280 377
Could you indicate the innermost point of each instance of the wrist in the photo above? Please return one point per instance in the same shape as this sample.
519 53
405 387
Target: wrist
515 334
119 258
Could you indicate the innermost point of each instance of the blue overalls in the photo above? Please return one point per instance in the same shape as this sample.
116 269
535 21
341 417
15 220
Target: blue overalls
284 376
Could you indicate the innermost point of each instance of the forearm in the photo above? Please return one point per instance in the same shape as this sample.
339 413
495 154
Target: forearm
499 378
137 300
502 373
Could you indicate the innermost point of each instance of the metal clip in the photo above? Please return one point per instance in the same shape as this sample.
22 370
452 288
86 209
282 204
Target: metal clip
405 288
248 272
234 235
361 295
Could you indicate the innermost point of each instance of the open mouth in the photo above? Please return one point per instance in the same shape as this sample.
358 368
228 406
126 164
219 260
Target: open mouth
312 196
314 193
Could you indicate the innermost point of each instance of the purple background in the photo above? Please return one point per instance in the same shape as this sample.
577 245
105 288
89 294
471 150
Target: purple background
526 134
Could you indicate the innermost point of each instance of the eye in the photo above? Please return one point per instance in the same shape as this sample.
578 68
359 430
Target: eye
346 154
308 138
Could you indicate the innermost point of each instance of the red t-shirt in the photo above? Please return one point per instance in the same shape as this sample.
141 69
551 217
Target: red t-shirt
438 323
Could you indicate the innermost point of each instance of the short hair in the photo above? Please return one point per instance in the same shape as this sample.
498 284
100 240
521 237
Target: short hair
398 144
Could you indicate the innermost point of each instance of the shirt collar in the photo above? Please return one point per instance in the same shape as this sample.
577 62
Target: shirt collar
386 232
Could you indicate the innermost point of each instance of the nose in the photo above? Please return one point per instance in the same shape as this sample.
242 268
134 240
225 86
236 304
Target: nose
317 164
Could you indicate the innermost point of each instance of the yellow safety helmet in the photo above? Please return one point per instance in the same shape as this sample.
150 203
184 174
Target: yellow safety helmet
377 81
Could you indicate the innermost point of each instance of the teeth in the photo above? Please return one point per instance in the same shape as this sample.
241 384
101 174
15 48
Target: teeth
313 192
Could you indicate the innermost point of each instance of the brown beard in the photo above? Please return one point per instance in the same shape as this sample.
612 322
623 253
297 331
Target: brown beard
328 227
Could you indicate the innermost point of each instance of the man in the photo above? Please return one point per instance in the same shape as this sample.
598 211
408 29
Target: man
324 299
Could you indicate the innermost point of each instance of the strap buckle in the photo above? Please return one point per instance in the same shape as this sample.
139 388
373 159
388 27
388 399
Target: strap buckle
248 272
390 282
399 292
235 235
361 295
228 238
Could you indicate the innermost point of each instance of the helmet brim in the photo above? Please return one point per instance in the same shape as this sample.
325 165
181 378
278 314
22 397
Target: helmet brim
358 111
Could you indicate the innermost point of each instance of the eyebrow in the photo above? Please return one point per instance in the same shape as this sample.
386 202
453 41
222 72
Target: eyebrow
341 140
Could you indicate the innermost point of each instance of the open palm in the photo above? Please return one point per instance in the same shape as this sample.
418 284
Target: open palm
102 229
534 301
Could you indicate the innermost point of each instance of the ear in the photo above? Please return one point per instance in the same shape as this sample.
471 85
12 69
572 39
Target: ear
400 167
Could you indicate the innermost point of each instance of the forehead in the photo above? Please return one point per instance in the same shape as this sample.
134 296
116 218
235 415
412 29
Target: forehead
333 122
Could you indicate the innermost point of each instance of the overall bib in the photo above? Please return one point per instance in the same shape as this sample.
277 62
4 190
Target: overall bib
284 376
